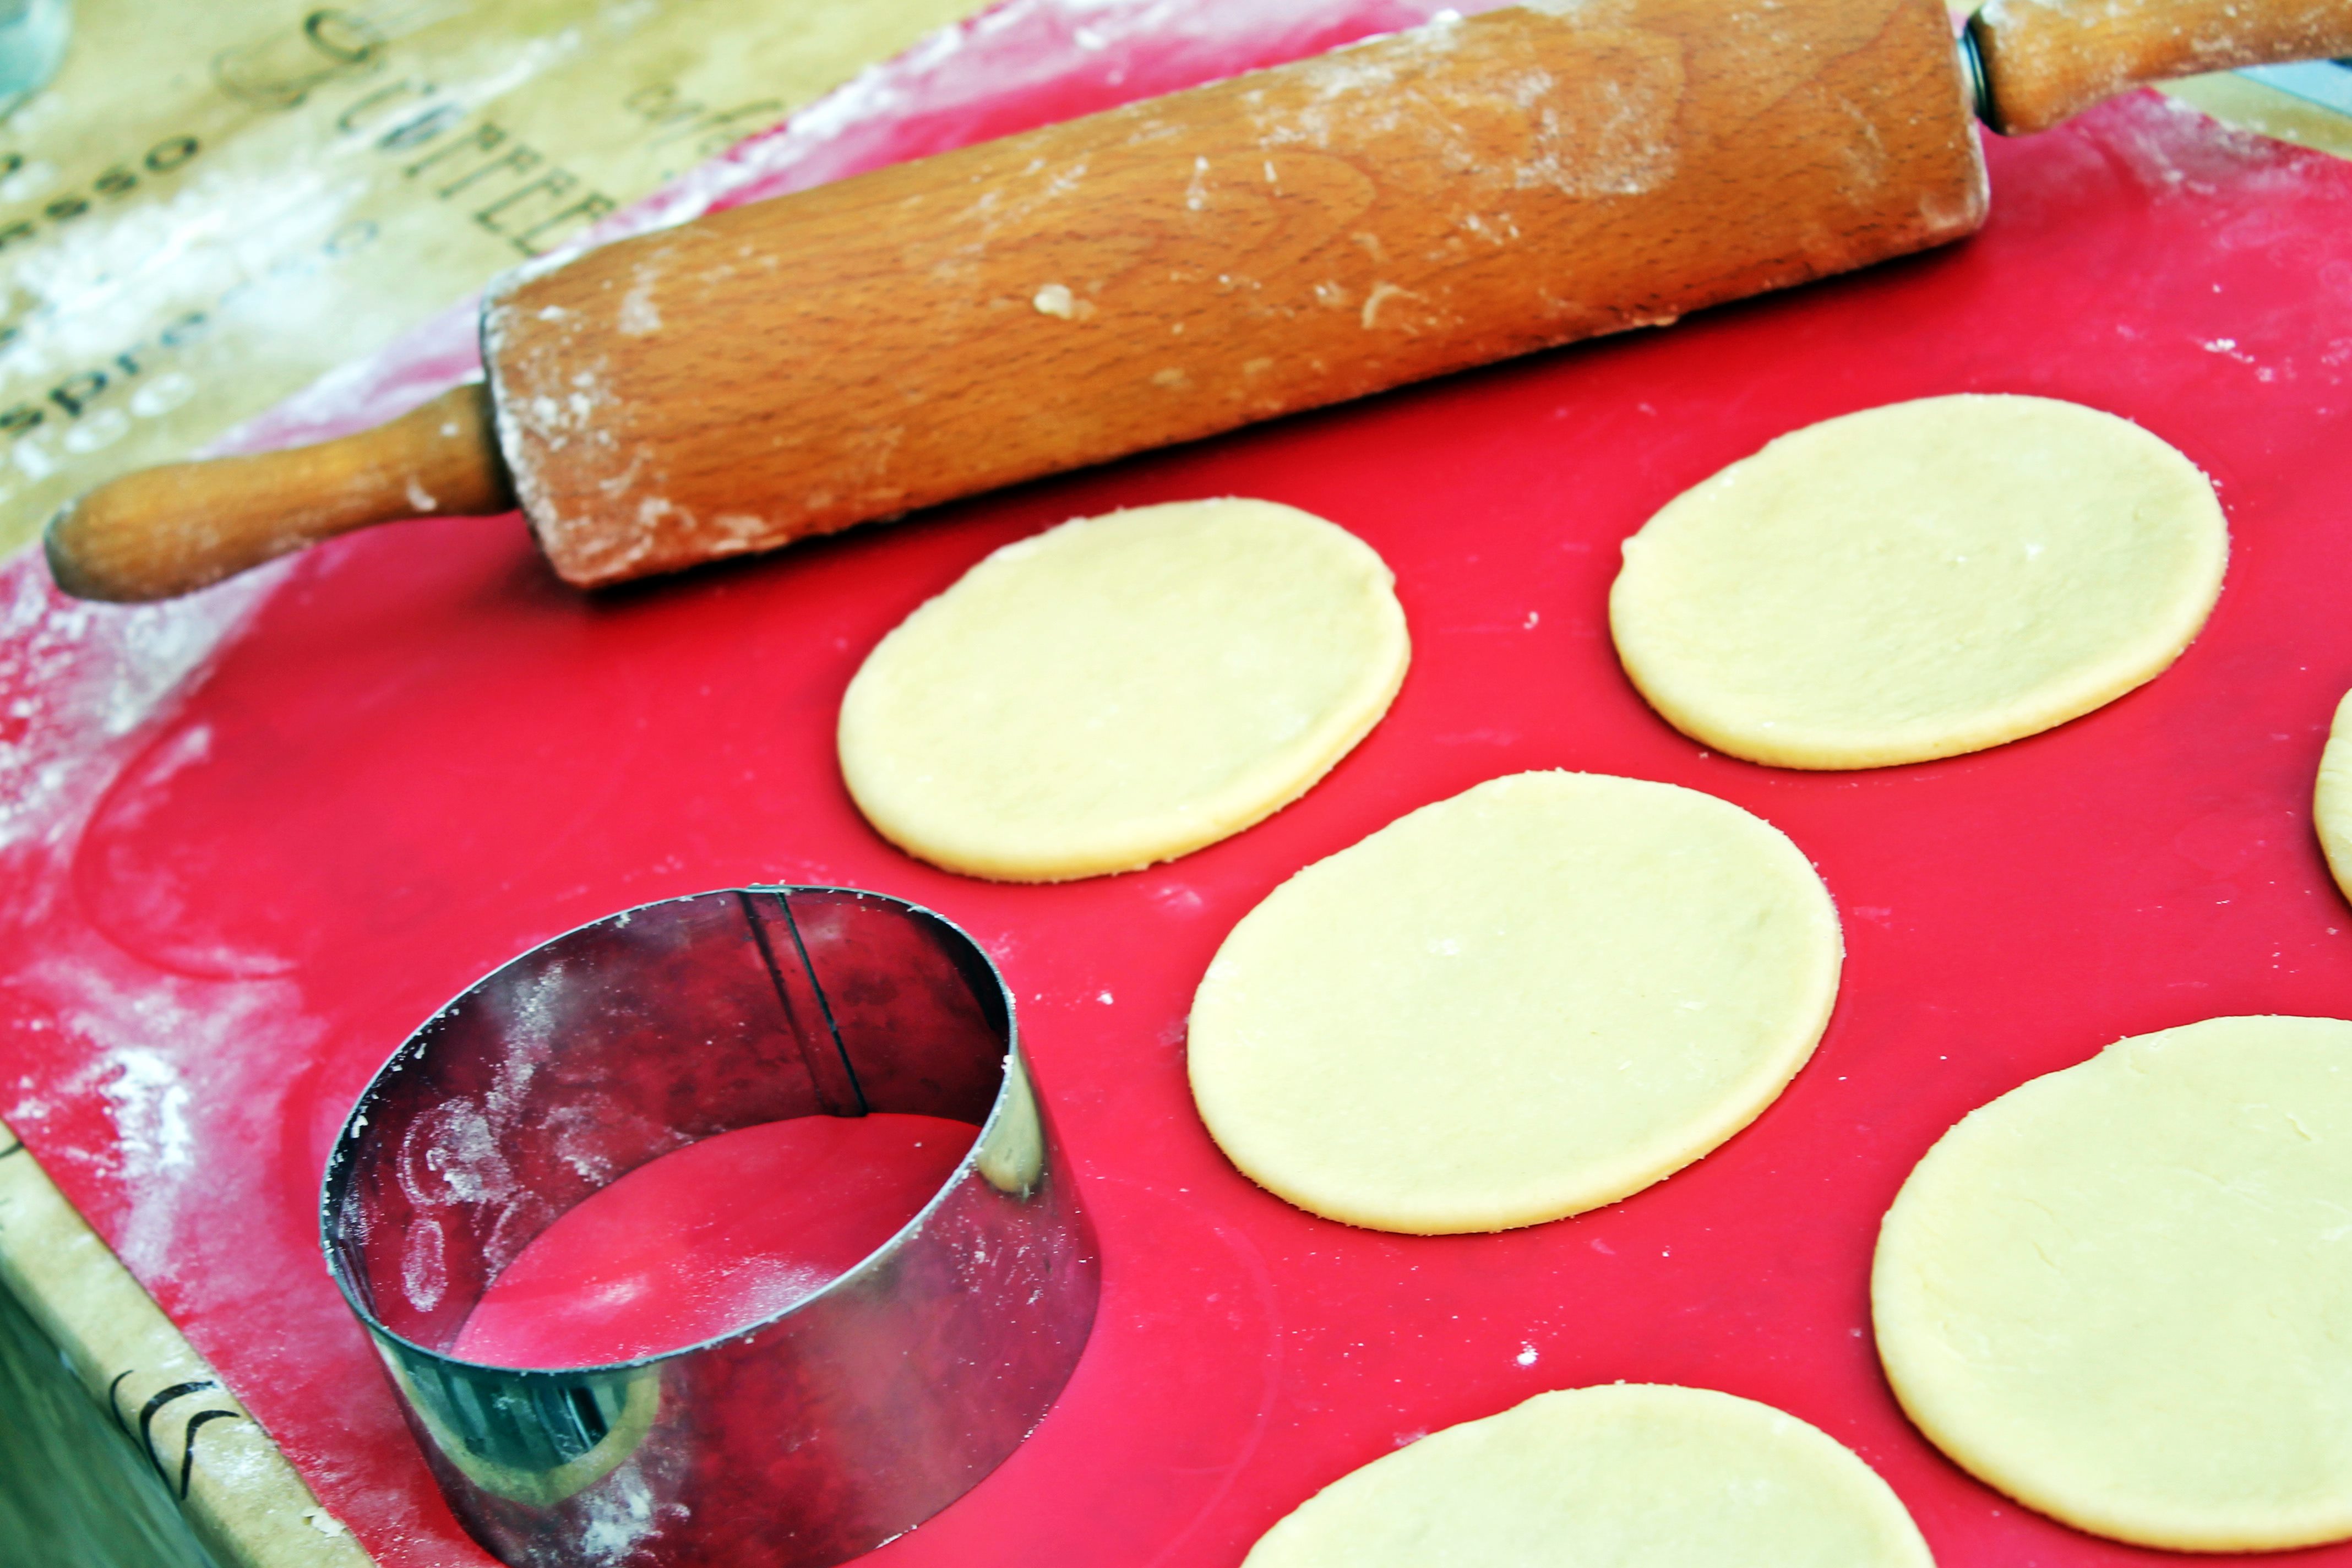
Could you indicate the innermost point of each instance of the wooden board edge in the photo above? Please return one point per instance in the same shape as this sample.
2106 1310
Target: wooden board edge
244 1501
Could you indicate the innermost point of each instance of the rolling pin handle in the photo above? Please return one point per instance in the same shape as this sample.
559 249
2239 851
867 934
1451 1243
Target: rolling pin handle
2037 62
165 532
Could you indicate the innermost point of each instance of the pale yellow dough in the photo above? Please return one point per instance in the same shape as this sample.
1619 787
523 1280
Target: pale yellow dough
2331 803
1525 1001
1625 1476
2123 1293
1919 580
1124 689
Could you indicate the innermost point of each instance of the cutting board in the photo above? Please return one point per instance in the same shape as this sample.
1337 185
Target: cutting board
252 841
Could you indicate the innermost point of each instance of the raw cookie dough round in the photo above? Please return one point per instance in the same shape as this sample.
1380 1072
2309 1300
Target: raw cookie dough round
1639 1475
1919 580
2331 801
1518 1003
2123 1293
1123 688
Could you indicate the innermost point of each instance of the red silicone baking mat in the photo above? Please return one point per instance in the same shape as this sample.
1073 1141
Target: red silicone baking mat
237 875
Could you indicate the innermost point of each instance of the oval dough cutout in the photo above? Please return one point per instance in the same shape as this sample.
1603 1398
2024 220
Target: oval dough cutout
1623 1474
1919 580
1525 1001
1122 689
2122 1293
2331 801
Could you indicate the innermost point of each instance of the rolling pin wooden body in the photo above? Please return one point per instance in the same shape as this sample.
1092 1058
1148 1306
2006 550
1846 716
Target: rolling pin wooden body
1407 206
1435 199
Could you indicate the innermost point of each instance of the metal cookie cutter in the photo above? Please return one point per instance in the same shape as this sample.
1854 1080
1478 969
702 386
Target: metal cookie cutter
802 1439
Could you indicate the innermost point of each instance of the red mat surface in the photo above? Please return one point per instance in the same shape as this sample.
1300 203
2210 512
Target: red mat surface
237 876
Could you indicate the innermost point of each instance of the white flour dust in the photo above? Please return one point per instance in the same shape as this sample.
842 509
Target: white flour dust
621 1516
81 683
172 1059
77 678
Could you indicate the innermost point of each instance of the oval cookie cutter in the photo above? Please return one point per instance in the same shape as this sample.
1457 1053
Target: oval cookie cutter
803 1438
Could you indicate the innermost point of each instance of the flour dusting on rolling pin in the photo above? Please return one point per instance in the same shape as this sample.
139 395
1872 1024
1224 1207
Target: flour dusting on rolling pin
1414 205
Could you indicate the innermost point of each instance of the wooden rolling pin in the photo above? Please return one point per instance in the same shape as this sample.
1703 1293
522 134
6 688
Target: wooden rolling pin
1407 206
